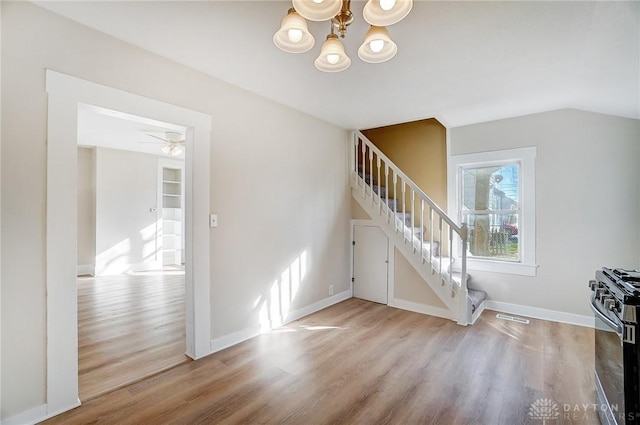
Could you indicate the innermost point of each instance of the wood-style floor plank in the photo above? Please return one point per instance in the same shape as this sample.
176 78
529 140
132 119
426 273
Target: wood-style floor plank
129 327
364 363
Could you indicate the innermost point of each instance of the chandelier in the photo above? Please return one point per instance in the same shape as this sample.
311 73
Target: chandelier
294 37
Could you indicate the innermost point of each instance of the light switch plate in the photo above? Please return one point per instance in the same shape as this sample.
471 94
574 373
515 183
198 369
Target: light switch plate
213 220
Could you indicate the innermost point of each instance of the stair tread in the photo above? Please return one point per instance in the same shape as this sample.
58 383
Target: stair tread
429 250
475 297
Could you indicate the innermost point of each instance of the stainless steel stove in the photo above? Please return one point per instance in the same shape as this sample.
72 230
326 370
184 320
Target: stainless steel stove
614 300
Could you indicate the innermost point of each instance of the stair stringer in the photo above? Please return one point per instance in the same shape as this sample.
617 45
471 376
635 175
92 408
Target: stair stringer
453 296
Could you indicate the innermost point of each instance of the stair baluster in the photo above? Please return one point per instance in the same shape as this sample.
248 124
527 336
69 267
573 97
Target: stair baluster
450 259
422 256
431 213
378 182
395 212
404 209
395 193
386 184
440 239
413 219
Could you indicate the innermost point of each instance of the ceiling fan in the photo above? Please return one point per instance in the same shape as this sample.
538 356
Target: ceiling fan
173 142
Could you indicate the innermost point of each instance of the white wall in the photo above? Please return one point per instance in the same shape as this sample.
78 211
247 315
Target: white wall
126 226
587 202
1 120
278 183
86 209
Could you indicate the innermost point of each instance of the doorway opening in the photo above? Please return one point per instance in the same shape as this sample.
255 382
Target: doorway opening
131 239
65 94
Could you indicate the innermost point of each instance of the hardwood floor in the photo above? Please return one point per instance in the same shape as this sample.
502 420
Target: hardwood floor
129 327
364 363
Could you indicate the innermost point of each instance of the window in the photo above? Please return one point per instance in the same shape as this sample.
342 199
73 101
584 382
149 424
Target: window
493 192
491 209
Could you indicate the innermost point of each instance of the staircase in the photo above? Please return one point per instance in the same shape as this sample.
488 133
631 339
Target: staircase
419 229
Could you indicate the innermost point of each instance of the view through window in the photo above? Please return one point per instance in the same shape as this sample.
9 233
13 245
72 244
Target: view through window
491 208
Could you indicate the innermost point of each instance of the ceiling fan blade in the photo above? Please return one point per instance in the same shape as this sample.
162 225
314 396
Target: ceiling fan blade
159 138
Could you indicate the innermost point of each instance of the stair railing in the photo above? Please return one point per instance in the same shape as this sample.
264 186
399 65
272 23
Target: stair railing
370 168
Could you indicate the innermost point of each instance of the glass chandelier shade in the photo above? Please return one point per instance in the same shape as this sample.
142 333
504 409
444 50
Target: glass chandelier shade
317 10
382 13
293 35
332 56
378 46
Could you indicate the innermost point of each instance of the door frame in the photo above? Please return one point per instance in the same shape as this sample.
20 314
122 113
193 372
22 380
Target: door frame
390 256
65 93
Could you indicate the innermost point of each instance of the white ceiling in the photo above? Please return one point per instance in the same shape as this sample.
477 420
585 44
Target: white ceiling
461 62
116 130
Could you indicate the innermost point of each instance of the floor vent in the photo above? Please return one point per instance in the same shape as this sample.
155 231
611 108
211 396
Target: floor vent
512 318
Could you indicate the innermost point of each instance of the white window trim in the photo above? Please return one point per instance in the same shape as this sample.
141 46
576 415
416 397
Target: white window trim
526 156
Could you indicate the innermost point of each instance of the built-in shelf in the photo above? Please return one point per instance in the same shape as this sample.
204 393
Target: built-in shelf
172 224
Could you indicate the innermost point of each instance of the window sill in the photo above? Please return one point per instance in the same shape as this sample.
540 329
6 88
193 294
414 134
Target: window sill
502 267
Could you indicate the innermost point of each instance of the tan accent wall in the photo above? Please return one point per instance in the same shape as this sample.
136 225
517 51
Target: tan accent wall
409 286
419 148
357 212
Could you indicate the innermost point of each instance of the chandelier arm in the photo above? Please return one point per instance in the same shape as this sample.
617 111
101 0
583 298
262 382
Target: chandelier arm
343 19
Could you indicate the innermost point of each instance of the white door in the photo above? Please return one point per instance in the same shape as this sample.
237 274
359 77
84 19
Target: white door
370 263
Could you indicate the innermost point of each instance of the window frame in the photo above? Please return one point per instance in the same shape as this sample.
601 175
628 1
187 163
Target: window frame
526 266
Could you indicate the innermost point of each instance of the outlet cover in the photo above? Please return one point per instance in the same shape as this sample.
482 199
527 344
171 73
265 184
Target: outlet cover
330 289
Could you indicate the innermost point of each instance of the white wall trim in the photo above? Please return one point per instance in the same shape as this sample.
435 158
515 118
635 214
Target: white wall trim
507 267
85 269
526 156
226 341
28 417
430 310
229 340
32 416
65 94
539 313
317 306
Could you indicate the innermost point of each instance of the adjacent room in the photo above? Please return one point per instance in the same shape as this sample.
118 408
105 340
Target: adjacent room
131 239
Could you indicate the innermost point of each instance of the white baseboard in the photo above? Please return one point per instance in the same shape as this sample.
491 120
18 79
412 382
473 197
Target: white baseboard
28 417
420 308
317 306
116 269
226 341
539 313
85 269
35 415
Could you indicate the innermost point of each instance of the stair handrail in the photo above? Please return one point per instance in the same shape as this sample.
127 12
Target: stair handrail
461 230
369 151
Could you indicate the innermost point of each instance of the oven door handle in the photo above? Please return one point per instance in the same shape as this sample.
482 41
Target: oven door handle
615 326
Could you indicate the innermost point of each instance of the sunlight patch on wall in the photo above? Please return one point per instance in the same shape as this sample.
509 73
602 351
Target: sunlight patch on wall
114 260
274 306
150 249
